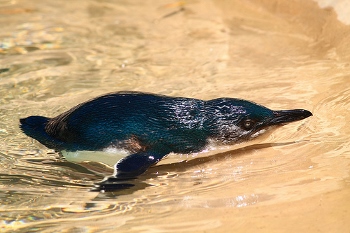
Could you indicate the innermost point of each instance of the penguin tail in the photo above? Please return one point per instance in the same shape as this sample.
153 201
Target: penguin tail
34 126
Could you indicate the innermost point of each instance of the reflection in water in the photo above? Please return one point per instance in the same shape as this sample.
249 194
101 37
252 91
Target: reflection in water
282 54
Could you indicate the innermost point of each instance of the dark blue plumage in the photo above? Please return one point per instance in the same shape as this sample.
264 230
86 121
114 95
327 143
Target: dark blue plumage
151 126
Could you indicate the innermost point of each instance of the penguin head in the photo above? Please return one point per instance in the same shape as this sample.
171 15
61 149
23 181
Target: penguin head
232 120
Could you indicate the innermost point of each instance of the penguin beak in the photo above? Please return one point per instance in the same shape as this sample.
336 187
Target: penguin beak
286 116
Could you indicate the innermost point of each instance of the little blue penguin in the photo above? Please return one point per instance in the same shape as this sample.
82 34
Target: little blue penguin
150 126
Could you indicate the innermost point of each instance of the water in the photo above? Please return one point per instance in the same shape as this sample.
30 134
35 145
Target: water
282 54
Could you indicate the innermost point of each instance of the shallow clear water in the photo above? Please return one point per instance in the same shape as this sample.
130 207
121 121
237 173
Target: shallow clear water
282 54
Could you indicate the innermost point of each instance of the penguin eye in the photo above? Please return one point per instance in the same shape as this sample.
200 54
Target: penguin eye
248 124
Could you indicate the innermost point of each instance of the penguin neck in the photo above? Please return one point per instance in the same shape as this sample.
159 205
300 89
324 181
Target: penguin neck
218 128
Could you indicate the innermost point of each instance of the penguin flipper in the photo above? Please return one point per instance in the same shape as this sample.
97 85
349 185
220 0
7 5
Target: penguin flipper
127 169
135 164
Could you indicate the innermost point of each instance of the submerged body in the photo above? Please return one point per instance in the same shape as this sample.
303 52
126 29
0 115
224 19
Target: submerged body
148 127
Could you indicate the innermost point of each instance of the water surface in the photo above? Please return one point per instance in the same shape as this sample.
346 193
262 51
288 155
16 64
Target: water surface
282 54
